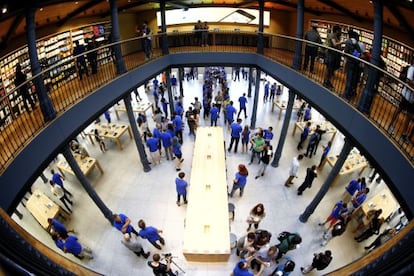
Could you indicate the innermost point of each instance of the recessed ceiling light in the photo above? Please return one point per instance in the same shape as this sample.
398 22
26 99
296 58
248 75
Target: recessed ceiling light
4 9
41 9
76 2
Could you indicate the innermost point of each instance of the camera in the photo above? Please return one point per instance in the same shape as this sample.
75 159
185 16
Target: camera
167 255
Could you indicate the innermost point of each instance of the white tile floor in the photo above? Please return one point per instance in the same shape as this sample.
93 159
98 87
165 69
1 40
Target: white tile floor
125 188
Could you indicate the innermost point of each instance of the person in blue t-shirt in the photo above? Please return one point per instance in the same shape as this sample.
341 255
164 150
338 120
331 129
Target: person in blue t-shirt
240 180
181 187
166 140
58 227
58 180
123 224
72 245
230 112
304 135
151 233
266 91
242 102
351 189
245 136
214 115
325 153
242 269
236 130
177 152
268 135
152 144
178 127
173 82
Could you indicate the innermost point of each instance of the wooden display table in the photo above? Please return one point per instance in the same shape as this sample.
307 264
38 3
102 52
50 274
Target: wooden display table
140 107
206 233
383 200
111 131
42 208
353 162
330 129
282 105
86 165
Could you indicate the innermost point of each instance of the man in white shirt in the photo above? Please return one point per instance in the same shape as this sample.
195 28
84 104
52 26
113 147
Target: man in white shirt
293 169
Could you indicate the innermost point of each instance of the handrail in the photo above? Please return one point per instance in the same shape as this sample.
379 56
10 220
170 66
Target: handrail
65 94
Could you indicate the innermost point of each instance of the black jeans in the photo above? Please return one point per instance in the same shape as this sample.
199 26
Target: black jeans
232 140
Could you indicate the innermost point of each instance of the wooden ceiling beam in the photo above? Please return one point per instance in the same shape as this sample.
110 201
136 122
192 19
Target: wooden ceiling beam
401 19
295 6
77 11
342 9
16 22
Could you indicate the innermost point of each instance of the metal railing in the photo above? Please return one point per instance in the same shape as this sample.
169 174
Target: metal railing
65 88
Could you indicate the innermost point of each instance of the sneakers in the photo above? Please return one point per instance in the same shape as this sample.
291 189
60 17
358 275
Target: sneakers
178 203
256 177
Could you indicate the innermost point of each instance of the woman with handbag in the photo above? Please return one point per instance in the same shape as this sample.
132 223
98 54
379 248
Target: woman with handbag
256 216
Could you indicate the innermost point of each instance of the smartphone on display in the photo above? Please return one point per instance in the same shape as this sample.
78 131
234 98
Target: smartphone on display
238 16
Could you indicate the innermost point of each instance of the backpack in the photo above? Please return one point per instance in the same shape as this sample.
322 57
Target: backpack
403 73
283 235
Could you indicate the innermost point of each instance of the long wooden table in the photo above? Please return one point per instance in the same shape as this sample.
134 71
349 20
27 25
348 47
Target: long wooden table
353 162
86 165
325 125
140 107
42 208
206 233
383 200
282 105
111 131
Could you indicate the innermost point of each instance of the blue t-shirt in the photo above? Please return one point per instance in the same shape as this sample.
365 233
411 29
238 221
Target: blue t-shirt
152 144
179 110
359 200
336 213
58 227
60 244
155 83
57 179
245 136
177 149
72 245
166 139
267 135
241 179
236 129
156 133
214 113
305 132
241 272
266 88
242 101
118 225
353 186
173 81
181 186
178 124
307 115
149 233
230 111
326 151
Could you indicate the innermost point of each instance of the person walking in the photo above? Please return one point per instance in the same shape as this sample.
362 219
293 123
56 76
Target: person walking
123 224
320 262
214 115
257 213
236 130
166 140
58 227
177 152
147 40
20 80
311 50
230 111
181 187
132 244
92 55
310 176
333 58
240 180
294 167
58 179
313 140
151 233
267 155
58 192
242 105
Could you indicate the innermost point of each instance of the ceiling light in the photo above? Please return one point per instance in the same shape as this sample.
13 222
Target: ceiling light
41 9
76 2
4 9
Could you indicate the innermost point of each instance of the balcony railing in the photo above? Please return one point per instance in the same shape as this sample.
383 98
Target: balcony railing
65 88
